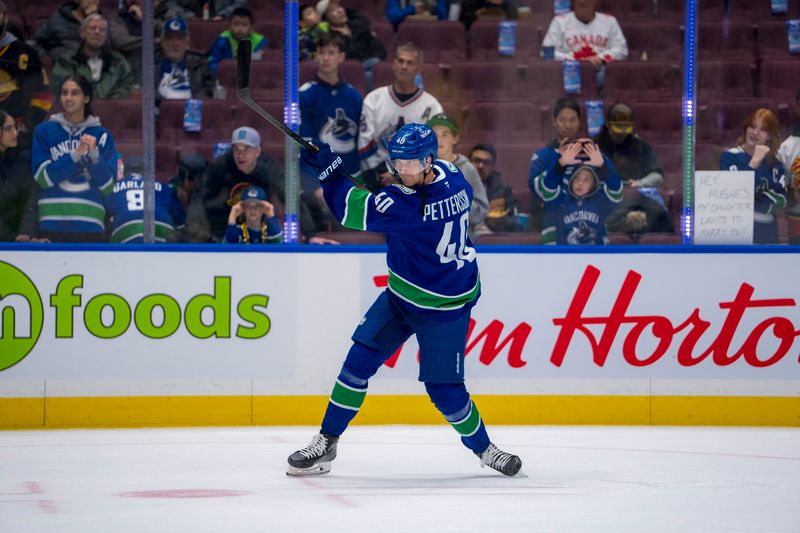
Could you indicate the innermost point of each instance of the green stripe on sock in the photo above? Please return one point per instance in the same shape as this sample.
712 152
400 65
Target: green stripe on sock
470 424
347 397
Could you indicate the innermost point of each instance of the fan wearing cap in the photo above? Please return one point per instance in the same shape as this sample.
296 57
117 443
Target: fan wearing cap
181 74
447 133
243 163
252 219
576 213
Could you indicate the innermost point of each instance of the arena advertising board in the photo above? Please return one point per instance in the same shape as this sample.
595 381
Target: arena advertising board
94 323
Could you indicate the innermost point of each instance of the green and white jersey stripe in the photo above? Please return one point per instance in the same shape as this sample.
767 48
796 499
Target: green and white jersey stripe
468 425
542 190
347 397
427 299
135 228
71 209
355 211
41 176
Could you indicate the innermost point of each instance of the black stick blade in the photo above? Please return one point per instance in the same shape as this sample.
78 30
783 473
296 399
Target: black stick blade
243 54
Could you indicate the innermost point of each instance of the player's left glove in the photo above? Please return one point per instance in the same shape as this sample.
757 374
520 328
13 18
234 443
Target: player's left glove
322 164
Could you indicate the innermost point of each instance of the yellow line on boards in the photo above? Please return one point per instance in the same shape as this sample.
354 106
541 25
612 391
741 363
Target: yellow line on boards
171 411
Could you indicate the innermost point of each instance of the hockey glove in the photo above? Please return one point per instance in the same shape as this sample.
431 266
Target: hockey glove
322 164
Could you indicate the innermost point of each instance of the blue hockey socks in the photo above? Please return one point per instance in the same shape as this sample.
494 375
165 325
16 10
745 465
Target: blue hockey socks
453 401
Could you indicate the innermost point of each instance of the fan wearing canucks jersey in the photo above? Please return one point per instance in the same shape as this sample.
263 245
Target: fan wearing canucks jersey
74 162
125 208
433 285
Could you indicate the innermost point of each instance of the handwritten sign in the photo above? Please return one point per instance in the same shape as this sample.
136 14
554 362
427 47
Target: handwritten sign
723 207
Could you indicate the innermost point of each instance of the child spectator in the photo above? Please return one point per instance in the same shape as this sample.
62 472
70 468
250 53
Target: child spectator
502 202
311 29
576 213
241 27
757 149
252 219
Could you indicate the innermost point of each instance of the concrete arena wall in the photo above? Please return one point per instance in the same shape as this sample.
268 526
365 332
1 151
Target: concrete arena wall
158 336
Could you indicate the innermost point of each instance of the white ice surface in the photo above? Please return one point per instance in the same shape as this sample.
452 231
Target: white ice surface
402 478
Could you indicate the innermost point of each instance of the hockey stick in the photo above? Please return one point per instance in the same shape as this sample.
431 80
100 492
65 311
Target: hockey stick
243 56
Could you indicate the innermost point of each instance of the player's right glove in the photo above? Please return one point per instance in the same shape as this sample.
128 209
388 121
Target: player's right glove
322 164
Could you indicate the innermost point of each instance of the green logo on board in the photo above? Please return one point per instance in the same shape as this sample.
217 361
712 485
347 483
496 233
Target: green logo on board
21 315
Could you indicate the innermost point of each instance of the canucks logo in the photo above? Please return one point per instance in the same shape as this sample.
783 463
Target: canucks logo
339 132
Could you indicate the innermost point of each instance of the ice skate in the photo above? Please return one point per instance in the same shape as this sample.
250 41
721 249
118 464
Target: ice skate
505 463
315 459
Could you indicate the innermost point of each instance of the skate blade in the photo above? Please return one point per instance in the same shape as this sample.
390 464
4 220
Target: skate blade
521 473
319 469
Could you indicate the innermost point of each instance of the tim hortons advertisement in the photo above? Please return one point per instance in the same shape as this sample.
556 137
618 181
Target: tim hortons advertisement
280 323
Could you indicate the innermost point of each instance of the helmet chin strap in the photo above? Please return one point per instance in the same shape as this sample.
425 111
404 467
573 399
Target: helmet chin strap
425 172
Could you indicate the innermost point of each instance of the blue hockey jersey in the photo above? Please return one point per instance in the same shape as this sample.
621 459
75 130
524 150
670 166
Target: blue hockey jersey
72 188
331 113
125 207
432 263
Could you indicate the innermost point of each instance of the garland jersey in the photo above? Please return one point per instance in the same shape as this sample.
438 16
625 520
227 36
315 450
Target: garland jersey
125 208
770 191
331 114
572 39
72 188
383 113
432 264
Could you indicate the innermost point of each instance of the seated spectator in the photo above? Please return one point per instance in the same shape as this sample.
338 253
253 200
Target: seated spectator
586 35
576 213
125 28
191 168
181 74
311 29
205 9
23 93
471 10
789 155
74 160
359 41
241 27
502 215
446 131
252 219
757 149
398 10
387 109
243 163
109 72
125 208
16 183
330 110
60 35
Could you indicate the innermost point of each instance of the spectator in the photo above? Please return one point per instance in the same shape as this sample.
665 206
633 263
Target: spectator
398 10
252 219
789 155
330 110
16 184
206 9
359 41
586 35
74 161
757 149
241 27
191 168
387 109
181 74
125 28
125 208
576 213
502 215
243 163
311 29
109 72
446 131
24 93
471 10
60 35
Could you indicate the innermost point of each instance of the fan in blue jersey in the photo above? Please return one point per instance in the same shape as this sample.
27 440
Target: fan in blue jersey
433 285
757 150
252 219
576 213
74 161
125 208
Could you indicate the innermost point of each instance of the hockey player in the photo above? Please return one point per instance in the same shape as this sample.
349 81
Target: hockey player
433 285
125 208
